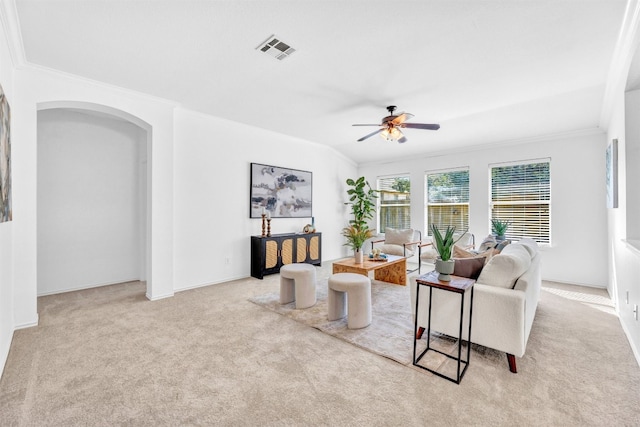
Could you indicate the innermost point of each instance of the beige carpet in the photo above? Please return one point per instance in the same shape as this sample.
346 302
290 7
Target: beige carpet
107 356
390 333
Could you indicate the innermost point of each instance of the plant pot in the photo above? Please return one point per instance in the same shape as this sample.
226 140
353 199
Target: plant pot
445 268
359 256
499 238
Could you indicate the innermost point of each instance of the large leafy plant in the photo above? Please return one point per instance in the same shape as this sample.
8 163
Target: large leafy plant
444 243
362 199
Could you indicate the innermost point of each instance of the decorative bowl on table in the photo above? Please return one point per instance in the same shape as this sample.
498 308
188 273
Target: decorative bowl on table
377 257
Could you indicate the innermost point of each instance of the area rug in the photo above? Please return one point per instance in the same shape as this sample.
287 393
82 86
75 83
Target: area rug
390 333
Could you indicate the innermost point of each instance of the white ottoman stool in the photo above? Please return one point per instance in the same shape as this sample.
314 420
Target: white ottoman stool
356 289
298 282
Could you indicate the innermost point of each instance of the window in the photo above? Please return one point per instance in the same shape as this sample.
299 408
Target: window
448 199
395 202
521 194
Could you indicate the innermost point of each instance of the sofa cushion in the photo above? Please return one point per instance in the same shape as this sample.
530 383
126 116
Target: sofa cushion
394 236
468 267
505 268
530 245
395 250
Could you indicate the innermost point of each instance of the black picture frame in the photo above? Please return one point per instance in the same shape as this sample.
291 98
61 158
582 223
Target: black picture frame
280 192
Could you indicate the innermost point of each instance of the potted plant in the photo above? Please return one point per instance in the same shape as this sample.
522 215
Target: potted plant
444 246
362 199
499 228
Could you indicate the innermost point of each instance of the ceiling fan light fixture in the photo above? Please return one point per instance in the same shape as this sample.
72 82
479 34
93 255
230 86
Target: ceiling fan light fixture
391 134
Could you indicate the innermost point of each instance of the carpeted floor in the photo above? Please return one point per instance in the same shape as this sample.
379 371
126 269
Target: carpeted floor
208 356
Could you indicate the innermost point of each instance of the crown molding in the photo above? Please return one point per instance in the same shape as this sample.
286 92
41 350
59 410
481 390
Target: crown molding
625 49
507 142
12 32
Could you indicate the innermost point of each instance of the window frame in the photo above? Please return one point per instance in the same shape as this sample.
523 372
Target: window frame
491 203
380 203
426 194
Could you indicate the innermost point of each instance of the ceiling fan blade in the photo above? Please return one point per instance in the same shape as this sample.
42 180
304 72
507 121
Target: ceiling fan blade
366 125
420 126
370 135
402 118
403 140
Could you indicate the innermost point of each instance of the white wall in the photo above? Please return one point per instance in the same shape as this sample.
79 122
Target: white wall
212 179
624 254
577 253
89 219
7 313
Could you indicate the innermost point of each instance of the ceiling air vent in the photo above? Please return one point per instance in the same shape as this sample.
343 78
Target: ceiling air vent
275 47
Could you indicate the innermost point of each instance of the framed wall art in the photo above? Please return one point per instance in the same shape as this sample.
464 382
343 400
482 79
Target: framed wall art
612 174
280 192
5 159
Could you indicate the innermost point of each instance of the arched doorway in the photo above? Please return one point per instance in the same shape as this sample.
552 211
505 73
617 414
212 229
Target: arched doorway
93 197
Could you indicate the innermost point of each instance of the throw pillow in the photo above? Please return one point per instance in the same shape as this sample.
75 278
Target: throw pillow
502 244
468 267
462 253
530 245
394 236
489 242
504 269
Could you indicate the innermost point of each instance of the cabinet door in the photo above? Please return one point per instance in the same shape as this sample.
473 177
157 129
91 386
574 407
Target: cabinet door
286 250
301 249
314 248
271 263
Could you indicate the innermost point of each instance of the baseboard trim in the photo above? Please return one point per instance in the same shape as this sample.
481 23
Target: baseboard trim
83 287
217 282
169 295
635 351
27 325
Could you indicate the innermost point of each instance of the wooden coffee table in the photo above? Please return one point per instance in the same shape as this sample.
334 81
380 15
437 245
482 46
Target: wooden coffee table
394 270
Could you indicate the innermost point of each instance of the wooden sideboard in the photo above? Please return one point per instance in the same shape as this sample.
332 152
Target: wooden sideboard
268 254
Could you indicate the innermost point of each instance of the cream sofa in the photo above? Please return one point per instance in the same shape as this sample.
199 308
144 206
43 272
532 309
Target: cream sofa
505 299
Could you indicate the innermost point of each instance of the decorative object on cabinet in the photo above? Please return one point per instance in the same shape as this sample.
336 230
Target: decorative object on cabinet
270 253
282 192
310 228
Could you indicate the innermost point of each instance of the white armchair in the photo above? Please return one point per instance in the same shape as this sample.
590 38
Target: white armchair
401 242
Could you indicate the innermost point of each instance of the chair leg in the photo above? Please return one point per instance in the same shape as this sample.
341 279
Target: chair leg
512 363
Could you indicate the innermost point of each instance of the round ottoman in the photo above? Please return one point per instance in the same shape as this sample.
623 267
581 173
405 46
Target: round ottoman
298 282
356 290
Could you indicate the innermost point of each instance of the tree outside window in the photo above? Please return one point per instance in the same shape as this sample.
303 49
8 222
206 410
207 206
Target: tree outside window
448 199
395 202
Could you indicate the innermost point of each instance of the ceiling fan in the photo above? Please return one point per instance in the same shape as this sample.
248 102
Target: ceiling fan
389 128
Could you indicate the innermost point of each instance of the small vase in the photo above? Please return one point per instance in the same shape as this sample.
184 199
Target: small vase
445 268
359 255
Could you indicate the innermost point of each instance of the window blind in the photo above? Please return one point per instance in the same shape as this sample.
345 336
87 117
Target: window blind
448 199
395 202
521 194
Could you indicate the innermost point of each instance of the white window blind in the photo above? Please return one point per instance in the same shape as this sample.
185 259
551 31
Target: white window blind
521 194
448 199
395 202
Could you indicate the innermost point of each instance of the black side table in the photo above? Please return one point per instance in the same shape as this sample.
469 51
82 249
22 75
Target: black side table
459 285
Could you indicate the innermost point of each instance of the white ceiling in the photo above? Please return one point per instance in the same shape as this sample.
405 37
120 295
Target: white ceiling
488 71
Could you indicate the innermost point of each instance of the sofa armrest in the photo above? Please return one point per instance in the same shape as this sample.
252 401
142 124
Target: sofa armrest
499 315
